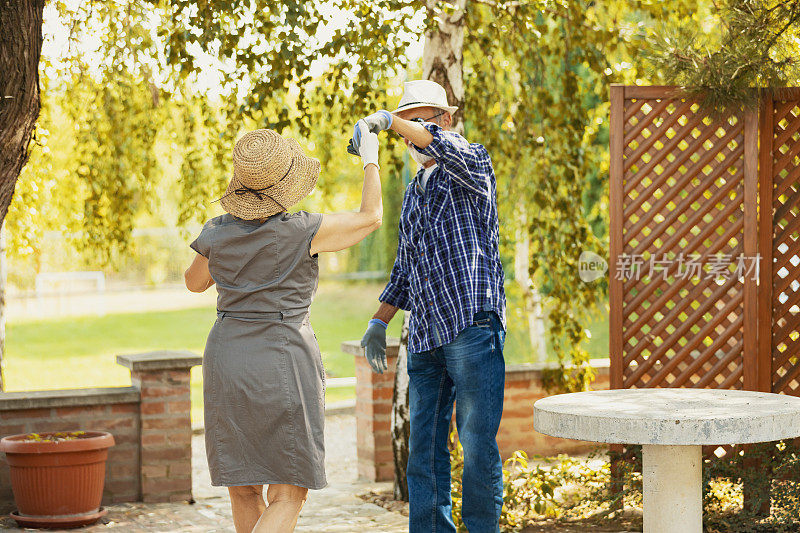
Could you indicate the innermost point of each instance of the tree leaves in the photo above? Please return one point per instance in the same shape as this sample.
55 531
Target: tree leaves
536 78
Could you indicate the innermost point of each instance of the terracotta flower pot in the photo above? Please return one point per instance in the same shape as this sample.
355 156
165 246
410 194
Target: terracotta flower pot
57 484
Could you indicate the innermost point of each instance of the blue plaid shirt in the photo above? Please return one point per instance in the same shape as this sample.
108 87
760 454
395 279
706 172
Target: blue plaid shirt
448 263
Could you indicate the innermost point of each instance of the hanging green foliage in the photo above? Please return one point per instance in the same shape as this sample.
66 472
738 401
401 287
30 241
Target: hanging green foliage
536 77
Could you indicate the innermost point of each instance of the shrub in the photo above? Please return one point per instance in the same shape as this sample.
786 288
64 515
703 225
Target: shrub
567 489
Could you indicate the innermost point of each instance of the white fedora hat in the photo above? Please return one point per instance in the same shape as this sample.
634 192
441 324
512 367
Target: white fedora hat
424 93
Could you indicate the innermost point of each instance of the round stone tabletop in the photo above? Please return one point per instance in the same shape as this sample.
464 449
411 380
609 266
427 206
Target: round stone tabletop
676 416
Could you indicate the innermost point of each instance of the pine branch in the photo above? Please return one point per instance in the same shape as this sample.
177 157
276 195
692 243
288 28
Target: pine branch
780 4
792 20
725 76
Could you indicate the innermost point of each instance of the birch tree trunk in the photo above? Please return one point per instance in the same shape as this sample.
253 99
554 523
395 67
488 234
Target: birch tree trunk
443 58
400 417
20 50
442 62
531 297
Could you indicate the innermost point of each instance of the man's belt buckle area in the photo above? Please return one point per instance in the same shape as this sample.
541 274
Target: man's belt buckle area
482 318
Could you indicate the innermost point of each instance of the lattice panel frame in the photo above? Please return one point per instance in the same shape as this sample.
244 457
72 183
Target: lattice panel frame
780 174
679 188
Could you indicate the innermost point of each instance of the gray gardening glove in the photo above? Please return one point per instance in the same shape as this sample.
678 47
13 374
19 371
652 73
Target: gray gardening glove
374 343
377 122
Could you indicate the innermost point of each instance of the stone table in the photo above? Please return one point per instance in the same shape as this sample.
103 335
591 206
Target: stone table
671 425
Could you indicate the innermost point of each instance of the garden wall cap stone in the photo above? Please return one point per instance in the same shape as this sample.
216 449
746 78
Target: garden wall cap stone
355 348
676 416
67 397
160 360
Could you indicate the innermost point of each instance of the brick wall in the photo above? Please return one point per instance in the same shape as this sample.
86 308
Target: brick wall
373 418
523 388
150 421
166 431
115 410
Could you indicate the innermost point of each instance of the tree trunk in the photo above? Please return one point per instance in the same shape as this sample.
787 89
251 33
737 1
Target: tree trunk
443 58
20 50
532 300
3 284
442 62
400 417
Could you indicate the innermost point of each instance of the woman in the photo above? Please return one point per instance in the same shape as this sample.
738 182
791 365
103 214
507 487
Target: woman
263 379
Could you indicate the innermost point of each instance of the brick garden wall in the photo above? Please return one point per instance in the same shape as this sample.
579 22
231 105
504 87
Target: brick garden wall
115 410
373 418
150 421
165 425
523 387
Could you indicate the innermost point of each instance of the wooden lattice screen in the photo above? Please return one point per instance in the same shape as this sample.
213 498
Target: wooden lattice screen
692 305
682 189
779 240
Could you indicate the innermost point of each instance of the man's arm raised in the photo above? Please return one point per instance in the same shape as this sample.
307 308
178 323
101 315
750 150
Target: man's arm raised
413 131
469 166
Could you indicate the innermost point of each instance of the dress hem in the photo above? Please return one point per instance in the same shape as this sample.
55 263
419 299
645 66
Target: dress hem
309 486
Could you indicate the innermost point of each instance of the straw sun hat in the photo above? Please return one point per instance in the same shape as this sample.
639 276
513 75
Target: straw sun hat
270 174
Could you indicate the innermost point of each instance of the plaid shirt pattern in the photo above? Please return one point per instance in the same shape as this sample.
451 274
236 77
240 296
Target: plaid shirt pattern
448 262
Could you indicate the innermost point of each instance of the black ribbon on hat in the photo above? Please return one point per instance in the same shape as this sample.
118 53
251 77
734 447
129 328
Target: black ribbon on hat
259 193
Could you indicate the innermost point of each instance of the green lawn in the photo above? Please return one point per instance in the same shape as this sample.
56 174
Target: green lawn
80 352
597 344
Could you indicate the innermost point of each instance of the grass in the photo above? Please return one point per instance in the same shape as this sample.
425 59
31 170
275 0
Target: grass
77 352
597 343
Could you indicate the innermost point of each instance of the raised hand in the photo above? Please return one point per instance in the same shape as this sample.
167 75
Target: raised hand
377 122
365 143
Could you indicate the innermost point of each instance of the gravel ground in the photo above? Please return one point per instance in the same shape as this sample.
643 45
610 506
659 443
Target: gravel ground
336 508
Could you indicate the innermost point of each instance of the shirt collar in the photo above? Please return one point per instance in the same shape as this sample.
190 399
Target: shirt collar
419 174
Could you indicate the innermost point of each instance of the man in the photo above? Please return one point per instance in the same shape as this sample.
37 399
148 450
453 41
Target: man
448 274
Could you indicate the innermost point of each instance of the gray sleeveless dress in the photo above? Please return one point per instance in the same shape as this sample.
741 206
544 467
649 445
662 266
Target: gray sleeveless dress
263 379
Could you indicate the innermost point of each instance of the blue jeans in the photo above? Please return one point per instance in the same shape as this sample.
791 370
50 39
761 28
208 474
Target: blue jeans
471 371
